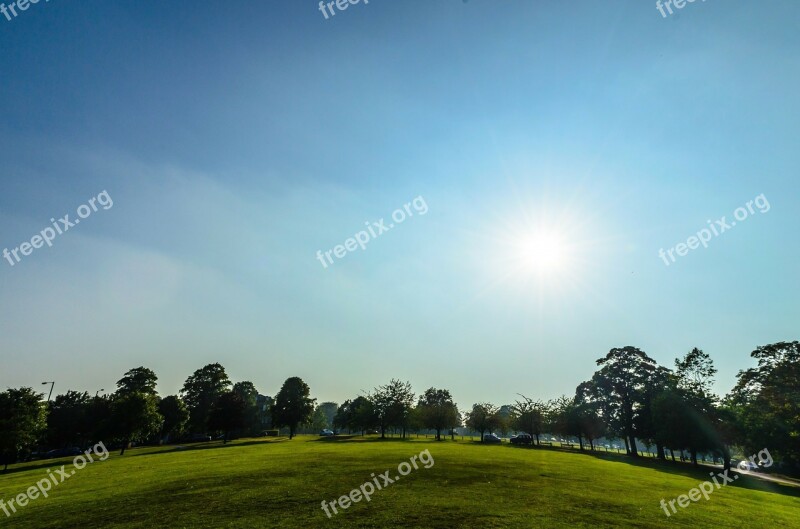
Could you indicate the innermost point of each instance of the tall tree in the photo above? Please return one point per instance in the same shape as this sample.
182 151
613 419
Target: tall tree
135 417
437 411
324 416
176 416
392 403
293 405
252 416
228 414
766 403
23 418
482 418
69 420
619 384
356 415
695 372
646 420
138 380
200 391
529 416
695 376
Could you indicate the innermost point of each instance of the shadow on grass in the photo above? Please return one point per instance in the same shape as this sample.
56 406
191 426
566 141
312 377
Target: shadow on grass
212 445
360 439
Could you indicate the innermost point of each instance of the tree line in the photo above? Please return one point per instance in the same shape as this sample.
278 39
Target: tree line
630 397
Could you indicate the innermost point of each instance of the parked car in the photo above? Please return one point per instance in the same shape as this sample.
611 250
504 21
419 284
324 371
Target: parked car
372 432
747 465
521 439
491 438
198 438
326 433
63 452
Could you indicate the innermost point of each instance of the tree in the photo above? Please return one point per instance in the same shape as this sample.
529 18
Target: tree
293 405
23 418
618 385
69 420
201 391
695 376
482 418
392 403
696 372
323 416
356 415
138 380
529 416
437 411
176 416
252 414
646 420
228 414
135 417
766 403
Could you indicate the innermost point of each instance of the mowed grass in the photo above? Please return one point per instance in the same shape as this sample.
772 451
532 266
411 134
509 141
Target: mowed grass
280 483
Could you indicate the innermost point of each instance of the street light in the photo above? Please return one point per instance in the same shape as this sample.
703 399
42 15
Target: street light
52 385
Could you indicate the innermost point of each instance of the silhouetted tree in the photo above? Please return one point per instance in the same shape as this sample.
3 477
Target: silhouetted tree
23 418
200 391
228 414
176 416
135 417
293 405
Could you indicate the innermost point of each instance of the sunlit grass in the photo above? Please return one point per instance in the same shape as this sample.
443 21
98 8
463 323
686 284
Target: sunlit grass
280 483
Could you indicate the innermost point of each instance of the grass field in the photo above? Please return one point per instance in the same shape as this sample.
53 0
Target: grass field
280 483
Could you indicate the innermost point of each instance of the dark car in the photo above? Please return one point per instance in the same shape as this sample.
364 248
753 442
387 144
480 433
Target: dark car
63 452
521 439
198 438
491 438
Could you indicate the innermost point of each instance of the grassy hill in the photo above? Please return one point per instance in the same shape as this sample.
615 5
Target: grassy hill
280 483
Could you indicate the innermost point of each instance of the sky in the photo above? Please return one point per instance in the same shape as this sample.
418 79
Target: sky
557 147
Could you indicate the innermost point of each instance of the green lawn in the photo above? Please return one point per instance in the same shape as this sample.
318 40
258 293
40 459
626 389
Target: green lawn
280 483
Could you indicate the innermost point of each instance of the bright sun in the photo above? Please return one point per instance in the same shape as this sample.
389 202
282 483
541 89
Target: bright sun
544 252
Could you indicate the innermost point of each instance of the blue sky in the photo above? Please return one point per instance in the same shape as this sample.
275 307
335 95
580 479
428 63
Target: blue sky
237 139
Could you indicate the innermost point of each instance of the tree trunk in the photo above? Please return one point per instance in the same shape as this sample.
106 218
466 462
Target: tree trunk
634 451
672 452
661 455
580 441
124 446
694 456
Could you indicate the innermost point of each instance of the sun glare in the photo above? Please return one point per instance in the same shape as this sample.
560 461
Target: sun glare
544 252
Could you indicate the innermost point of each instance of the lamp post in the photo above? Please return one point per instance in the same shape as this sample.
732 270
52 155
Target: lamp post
52 385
